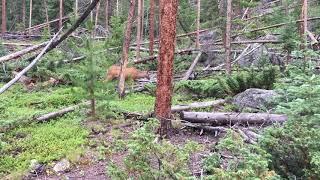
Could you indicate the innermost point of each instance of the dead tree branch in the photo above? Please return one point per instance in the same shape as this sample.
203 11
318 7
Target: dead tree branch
193 65
21 73
60 112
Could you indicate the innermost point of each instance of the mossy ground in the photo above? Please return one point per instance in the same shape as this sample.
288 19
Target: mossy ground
59 138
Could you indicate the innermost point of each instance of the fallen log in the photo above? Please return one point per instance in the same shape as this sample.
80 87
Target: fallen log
21 73
22 52
184 51
268 27
45 24
16 44
72 28
263 41
231 118
206 128
193 65
60 112
179 108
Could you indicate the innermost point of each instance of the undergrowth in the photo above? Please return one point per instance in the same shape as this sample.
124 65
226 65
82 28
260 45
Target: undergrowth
149 159
42 142
222 86
295 147
16 105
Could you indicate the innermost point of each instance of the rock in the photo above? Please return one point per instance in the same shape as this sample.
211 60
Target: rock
254 98
62 166
36 168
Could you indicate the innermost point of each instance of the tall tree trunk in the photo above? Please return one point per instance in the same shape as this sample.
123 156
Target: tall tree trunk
96 20
138 29
125 48
107 15
24 13
142 19
76 9
60 13
91 14
3 18
228 37
117 8
151 28
30 16
198 24
168 18
47 16
305 18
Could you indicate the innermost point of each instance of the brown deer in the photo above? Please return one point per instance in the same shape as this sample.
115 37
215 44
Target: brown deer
129 72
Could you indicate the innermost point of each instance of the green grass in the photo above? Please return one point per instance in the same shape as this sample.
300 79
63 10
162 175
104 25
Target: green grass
43 142
17 105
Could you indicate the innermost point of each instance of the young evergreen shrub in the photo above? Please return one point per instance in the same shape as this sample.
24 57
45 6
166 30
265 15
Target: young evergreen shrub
240 82
295 148
149 159
244 161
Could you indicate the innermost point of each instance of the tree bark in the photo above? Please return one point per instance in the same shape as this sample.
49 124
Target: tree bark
107 15
30 16
3 18
91 14
125 49
198 24
60 13
228 37
76 9
139 29
168 18
61 112
151 27
231 118
47 16
24 13
96 20
117 8
179 108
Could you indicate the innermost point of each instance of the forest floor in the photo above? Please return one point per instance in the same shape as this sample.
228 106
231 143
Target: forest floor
90 166
89 145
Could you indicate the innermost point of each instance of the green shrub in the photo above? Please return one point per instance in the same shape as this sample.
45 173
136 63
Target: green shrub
235 159
149 159
295 148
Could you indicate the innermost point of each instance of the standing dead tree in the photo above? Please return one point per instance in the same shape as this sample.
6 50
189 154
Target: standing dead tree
151 28
228 38
60 13
24 13
96 20
139 28
198 24
125 48
47 15
30 15
168 18
3 18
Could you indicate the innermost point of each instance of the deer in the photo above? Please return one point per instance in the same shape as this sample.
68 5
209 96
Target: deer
129 72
